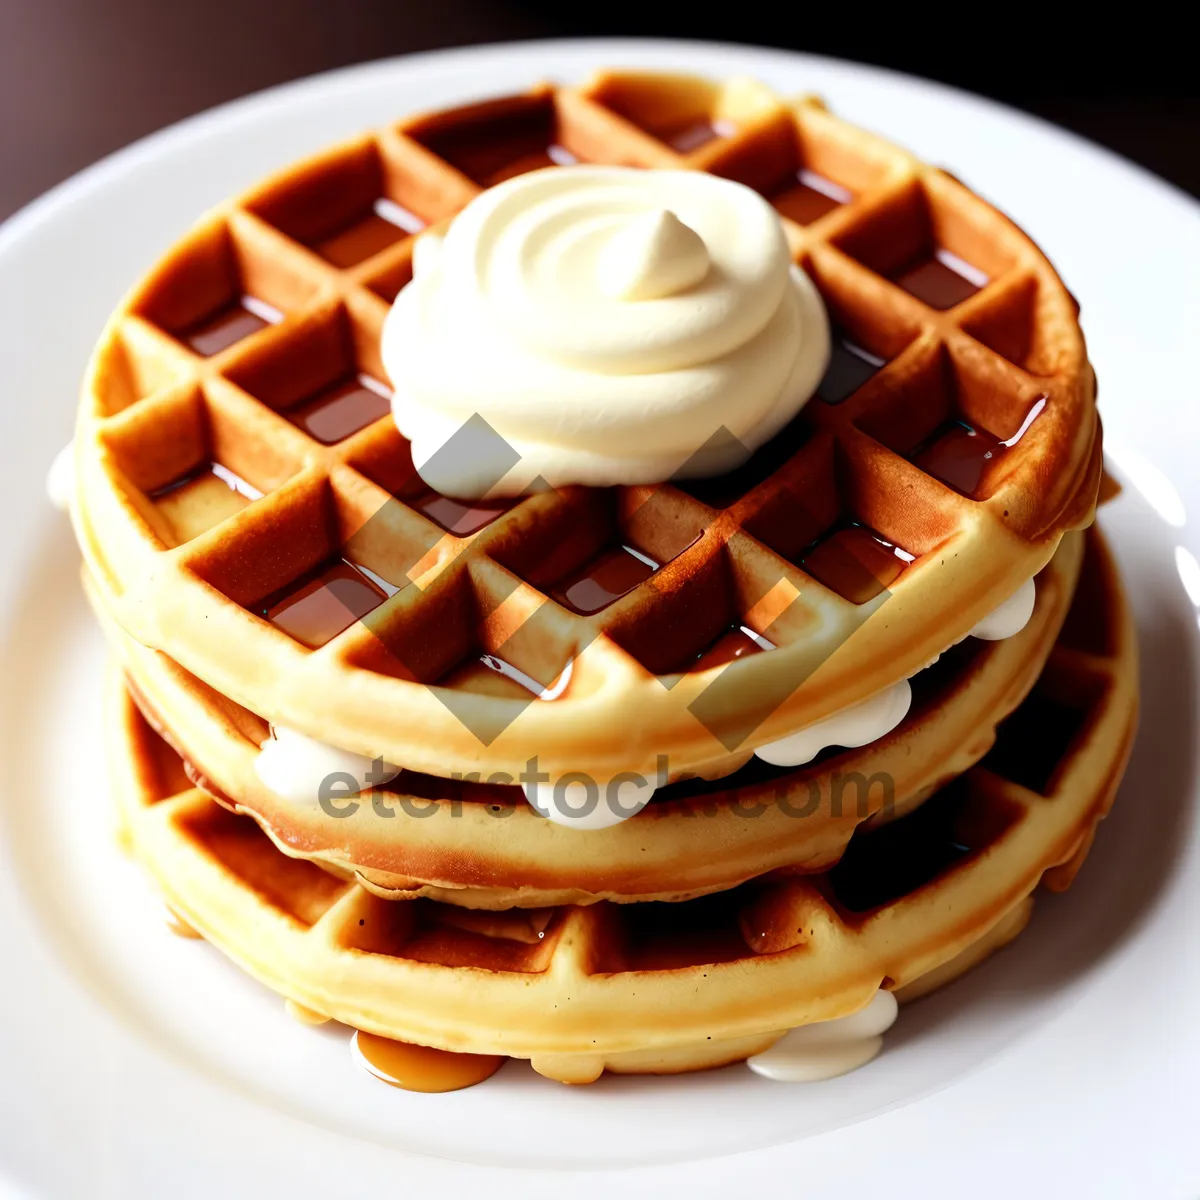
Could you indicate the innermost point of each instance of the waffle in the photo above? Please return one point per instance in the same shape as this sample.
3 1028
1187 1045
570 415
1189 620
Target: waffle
666 987
954 441
482 846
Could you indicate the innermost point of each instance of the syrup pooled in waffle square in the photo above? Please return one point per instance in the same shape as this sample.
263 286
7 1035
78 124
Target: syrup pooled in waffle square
474 841
247 505
667 987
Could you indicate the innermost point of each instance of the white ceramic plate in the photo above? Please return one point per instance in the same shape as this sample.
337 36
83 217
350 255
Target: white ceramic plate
137 1065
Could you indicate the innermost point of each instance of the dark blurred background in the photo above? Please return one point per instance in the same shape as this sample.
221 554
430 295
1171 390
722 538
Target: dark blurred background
79 78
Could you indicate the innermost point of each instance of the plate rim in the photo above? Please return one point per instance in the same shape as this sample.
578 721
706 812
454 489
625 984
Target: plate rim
894 1132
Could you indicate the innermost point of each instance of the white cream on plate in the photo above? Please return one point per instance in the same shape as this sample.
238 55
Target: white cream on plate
826 1049
611 325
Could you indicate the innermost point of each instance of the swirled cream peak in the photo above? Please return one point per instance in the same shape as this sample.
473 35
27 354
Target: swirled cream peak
654 255
610 325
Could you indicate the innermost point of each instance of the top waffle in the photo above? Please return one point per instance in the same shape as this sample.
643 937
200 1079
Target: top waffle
246 504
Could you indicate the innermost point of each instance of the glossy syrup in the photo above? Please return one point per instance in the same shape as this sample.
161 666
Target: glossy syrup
605 579
421 1068
224 328
385 224
202 498
850 366
491 675
856 562
699 133
501 145
322 603
810 197
343 409
735 643
941 280
963 456
459 517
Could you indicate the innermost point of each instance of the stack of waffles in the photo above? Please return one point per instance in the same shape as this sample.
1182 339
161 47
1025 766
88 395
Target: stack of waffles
263 557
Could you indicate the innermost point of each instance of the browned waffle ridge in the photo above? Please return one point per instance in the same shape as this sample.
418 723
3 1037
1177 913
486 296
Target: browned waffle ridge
650 987
484 847
182 575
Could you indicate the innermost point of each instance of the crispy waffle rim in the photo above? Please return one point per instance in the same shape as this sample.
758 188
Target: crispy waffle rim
645 987
152 410
484 846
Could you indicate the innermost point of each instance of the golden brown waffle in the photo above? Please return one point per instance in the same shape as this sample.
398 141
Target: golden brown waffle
483 846
784 545
666 987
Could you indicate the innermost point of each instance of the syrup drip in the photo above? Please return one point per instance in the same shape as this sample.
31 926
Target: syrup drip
179 927
303 1014
962 456
739 642
415 1068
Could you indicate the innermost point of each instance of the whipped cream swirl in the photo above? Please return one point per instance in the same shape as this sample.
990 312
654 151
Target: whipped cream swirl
611 325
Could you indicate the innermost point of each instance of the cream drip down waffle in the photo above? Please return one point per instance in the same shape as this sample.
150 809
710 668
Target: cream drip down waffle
650 434
660 988
926 497
482 845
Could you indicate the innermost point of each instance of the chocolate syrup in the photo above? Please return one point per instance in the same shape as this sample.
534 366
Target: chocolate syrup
364 237
605 579
810 197
942 280
322 603
737 642
856 562
895 860
850 366
459 517
343 409
421 1068
220 330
